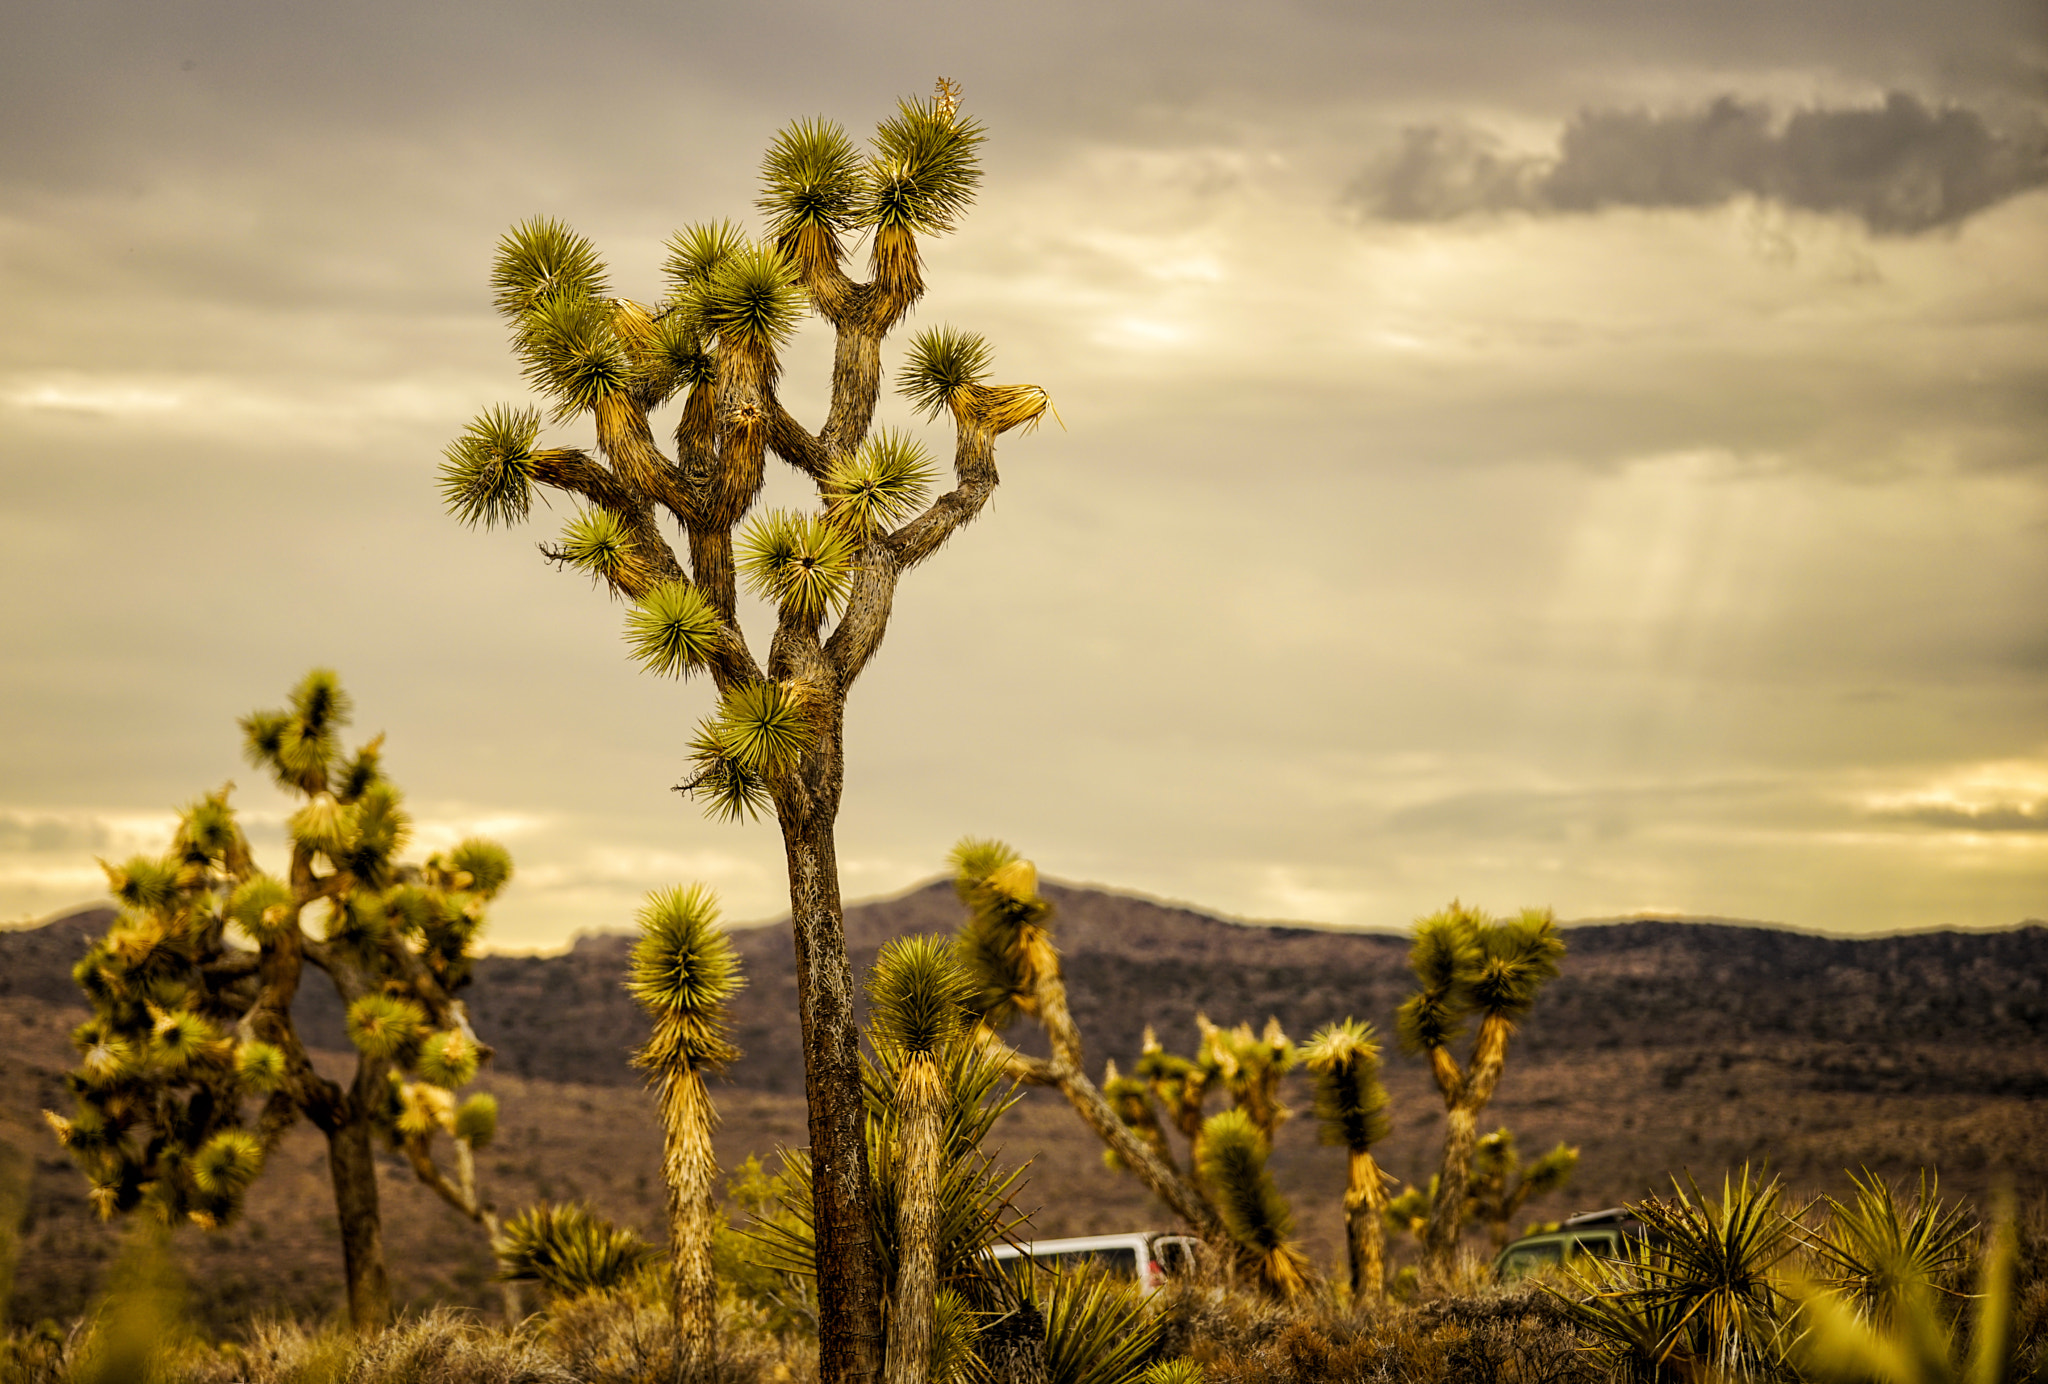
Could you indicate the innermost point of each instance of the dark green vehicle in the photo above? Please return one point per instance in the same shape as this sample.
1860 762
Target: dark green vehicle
1600 1234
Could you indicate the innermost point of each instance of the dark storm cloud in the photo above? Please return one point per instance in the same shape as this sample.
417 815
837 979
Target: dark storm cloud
1901 168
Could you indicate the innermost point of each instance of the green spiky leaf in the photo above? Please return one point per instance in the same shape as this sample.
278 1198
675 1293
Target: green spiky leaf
385 1026
809 178
227 1163
751 299
262 907
479 866
918 994
476 1119
144 882
572 354
728 789
673 629
943 369
448 1059
1350 1100
879 486
598 542
798 562
695 253
260 1066
542 259
924 173
570 1250
684 966
487 473
762 727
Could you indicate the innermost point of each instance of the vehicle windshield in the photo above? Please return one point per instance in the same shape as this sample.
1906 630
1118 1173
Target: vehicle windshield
1119 1261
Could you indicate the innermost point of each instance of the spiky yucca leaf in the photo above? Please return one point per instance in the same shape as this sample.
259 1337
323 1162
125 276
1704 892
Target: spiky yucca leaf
227 1163
572 353
798 562
674 354
487 473
1516 957
478 866
260 1066
385 1026
917 994
448 1059
955 1324
323 825
764 728
1097 1329
476 1119
684 972
1178 1370
728 789
1233 1165
541 259
179 1039
751 299
598 542
879 486
973 860
570 1250
943 368
207 833
808 180
673 630
106 1060
261 907
695 253
1877 1252
143 881
925 170
1350 1100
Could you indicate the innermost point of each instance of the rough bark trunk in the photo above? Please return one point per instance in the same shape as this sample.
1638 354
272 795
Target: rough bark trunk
1365 1198
1446 1212
690 1169
849 1274
915 1303
354 1170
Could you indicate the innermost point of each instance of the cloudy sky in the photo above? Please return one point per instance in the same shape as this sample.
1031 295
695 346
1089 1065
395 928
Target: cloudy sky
1558 452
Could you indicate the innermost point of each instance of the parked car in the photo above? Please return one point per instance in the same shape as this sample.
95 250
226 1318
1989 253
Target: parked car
1602 1234
1145 1257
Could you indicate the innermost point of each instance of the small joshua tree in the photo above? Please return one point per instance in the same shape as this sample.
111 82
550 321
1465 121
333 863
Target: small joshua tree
1351 1105
684 972
1501 1185
715 340
919 999
191 1029
1470 966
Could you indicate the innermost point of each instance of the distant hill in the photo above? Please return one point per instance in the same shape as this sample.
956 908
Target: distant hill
1132 961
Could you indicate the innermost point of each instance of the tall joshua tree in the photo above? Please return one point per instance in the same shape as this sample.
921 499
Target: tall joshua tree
919 999
191 1028
1351 1105
1007 950
776 740
684 972
1470 967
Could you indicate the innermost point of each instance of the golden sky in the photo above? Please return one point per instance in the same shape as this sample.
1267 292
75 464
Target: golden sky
1562 452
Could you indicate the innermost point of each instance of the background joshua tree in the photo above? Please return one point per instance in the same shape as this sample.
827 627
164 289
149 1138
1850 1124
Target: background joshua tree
776 739
684 971
190 1028
1007 951
1500 1185
1470 966
1351 1105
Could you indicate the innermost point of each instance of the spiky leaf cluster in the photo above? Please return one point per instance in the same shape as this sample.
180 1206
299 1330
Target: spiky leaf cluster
1004 947
487 473
764 728
673 630
1469 965
943 369
750 299
801 563
544 259
924 172
570 1250
598 542
879 486
1233 1166
728 789
684 972
1350 1099
917 995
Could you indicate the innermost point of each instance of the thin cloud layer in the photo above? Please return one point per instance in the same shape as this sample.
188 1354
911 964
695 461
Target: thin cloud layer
1901 168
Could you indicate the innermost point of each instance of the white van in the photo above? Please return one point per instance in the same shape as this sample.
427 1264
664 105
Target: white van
1147 1258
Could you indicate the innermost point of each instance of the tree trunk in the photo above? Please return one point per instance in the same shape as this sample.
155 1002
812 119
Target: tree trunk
1447 1211
1013 1347
1180 1198
354 1169
915 1304
1365 1198
690 1168
849 1274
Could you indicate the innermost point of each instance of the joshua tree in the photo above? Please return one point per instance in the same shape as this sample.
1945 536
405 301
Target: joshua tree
684 971
189 1027
1351 1105
1471 966
1501 1185
919 1006
776 739
1007 950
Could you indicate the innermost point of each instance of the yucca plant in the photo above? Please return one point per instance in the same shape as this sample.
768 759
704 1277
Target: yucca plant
1351 1106
1874 1252
918 1000
1469 967
1006 948
659 527
684 973
570 1250
191 1068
